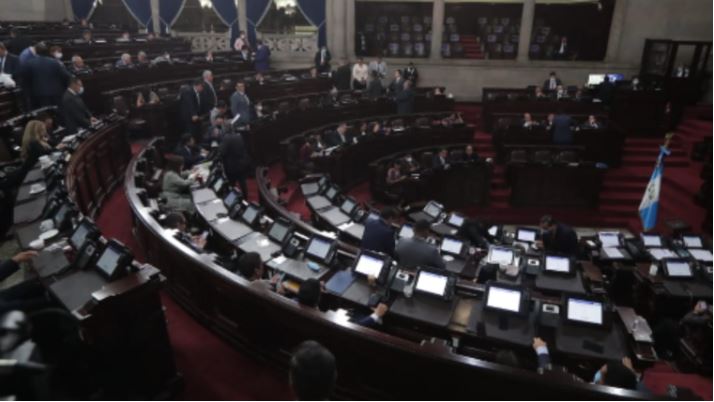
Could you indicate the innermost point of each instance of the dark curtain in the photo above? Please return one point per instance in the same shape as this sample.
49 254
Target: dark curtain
228 13
82 9
141 11
169 10
255 10
314 11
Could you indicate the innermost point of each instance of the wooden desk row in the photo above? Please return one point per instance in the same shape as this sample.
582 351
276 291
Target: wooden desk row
371 363
105 310
321 110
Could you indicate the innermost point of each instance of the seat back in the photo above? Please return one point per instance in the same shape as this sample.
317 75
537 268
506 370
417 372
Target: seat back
542 156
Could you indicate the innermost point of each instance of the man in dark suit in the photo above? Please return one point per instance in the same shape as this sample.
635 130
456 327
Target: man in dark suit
44 78
397 84
441 160
417 251
379 233
551 84
322 60
405 99
342 76
562 132
262 58
338 137
9 63
187 150
605 90
208 96
558 237
17 42
240 104
74 112
236 161
190 108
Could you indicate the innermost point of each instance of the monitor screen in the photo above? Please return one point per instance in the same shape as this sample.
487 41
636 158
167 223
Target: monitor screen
61 214
504 299
218 185
432 283
331 193
692 241
455 220
278 231
528 235
432 209
322 182
609 239
660 253
406 232
597 79
318 248
79 236
500 255
451 246
557 264
310 188
250 213
348 206
678 269
701 255
230 199
109 260
369 265
651 240
586 311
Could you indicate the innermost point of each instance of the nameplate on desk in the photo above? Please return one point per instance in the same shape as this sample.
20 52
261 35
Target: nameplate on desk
346 225
612 252
280 259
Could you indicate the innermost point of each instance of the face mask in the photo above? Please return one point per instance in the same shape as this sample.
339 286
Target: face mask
58 55
635 81
81 90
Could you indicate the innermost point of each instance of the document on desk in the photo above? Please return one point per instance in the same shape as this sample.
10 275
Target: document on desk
613 252
660 253
279 259
346 225
701 255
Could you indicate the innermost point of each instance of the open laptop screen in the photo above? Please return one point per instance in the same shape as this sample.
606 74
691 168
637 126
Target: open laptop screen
369 265
585 311
504 299
455 220
527 235
609 239
451 246
557 264
678 269
432 283
692 241
500 255
650 240
318 248
278 231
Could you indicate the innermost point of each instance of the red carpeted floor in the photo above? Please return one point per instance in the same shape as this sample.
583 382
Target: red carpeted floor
213 370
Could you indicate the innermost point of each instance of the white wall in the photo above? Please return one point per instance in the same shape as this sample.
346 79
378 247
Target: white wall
32 10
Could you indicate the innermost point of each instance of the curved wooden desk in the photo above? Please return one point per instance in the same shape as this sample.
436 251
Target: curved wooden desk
372 364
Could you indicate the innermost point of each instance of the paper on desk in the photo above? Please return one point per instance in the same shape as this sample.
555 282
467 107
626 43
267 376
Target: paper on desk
279 259
612 252
701 255
659 253
345 225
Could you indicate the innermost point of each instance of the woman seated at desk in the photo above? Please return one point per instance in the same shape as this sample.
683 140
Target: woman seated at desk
35 143
175 188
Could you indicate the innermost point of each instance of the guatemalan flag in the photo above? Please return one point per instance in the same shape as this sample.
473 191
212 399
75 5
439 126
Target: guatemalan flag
650 200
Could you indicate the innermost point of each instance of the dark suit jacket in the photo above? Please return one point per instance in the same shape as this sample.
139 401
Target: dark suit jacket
333 139
262 59
11 66
562 134
74 112
7 268
18 44
236 162
342 77
190 157
374 89
189 107
44 76
417 252
208 98
378 236
563 241
405 101
437 163
546 84
328 57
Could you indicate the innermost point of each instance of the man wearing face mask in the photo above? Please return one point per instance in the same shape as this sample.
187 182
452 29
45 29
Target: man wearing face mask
56 53
557 237
73 110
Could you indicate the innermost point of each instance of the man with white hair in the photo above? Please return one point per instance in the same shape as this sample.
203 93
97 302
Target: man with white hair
208 96
124 61
78 67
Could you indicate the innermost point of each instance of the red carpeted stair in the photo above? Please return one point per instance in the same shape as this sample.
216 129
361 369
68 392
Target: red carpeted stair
472 48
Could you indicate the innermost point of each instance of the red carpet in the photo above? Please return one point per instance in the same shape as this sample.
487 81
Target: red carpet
213 370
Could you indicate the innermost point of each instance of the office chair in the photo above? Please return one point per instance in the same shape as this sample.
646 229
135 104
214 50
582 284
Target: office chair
518 156
542 156
567 157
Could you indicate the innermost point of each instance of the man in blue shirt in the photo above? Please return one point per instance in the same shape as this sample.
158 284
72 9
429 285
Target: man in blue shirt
379 233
